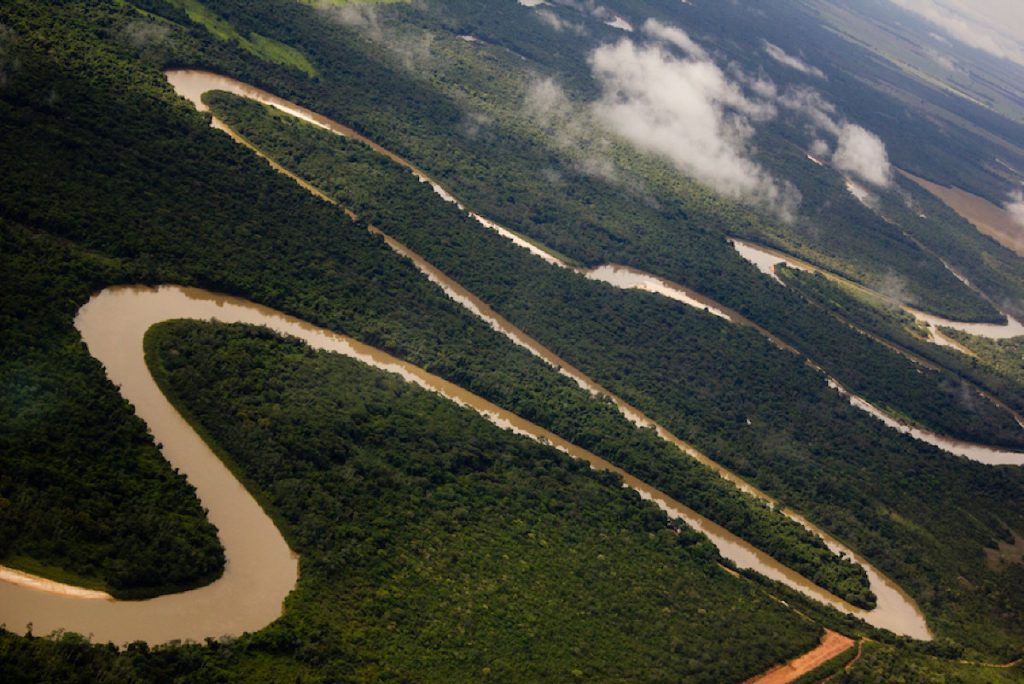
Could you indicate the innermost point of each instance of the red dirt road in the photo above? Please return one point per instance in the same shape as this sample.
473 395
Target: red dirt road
832 645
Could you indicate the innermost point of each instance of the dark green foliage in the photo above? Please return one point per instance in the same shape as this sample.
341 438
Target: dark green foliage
884 663
356 176
438 547
988 265
839 233
270 241
82 486
702 378
900 328
827 669
595 222
1002 357
98 152
71 659
562 296
497 168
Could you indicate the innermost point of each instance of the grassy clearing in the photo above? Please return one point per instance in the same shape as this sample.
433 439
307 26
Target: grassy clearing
267 49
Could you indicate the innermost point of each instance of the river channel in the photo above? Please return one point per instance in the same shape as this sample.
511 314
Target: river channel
117 621
261 569
767 259
192 84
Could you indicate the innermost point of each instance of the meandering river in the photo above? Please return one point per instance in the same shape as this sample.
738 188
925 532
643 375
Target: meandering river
261 570
192 84
767 259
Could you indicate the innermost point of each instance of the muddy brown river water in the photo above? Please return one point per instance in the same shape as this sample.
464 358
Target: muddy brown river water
261 569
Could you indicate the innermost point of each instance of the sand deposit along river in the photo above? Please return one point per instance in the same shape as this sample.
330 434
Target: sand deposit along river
261 569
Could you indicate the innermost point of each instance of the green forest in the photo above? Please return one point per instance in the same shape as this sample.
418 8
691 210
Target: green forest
994 367
389 197
434 546
363 289
444 546
903 502
84 493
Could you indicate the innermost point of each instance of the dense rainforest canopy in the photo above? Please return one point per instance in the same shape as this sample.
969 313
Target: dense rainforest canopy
434 545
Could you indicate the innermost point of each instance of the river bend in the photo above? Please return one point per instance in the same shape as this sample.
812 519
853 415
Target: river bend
124 621
261 569
766 260
192 84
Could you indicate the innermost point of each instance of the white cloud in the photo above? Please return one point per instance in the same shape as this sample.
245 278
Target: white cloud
820 149
557 23
786 59
858 151
141 34
945 61
474 123
621 24
811 104
861 153
1015 207
550 109
675 36
354 15
763 87
546 98
590 7
994 26
862 194
1016 210
413 49
688 111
